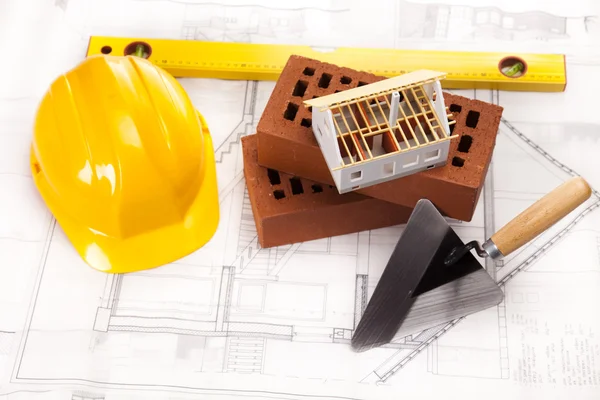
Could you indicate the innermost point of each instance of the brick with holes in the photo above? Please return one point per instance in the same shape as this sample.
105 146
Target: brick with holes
290 210
286 141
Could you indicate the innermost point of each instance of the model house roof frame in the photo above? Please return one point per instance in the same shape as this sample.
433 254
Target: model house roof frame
376 89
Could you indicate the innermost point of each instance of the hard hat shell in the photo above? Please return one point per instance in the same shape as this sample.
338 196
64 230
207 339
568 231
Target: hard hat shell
125 163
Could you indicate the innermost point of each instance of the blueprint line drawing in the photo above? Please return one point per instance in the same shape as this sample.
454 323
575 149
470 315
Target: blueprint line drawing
410 23
233 297
87 396
236 320
430 21
440 20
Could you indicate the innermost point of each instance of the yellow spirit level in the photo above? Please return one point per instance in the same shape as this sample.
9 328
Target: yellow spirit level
245 61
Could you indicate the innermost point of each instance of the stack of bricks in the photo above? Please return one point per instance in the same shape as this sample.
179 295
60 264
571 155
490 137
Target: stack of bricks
290 187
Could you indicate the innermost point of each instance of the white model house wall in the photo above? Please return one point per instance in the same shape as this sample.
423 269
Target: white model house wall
391 167
324 130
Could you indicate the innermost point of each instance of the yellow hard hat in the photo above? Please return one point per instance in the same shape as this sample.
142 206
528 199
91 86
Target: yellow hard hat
125 163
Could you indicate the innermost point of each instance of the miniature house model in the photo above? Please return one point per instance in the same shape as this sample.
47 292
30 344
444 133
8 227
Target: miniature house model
383 131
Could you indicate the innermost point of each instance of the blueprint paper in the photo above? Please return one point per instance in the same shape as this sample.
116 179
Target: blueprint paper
226 322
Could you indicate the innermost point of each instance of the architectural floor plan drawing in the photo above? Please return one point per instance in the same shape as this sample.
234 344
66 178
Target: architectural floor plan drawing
233 320
232 311
485 21
406 23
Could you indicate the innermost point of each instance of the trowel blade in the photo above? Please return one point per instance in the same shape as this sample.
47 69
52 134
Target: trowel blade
416 266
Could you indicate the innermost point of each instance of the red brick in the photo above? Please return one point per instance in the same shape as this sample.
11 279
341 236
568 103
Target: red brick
290 146
308 216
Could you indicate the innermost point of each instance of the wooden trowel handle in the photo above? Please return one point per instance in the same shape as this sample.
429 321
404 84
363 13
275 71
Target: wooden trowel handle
541 215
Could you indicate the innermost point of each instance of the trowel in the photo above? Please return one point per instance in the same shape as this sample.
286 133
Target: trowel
430 254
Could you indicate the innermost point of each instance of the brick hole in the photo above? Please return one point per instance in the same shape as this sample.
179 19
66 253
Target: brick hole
300 88
361 83
291 111
345 80
308 71
317 188
296 186
274 178
458 162
465 143
337 91
455 108
306 122
278 194
325 80
472 119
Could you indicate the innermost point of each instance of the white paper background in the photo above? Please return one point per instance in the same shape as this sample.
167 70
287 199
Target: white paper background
63 337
